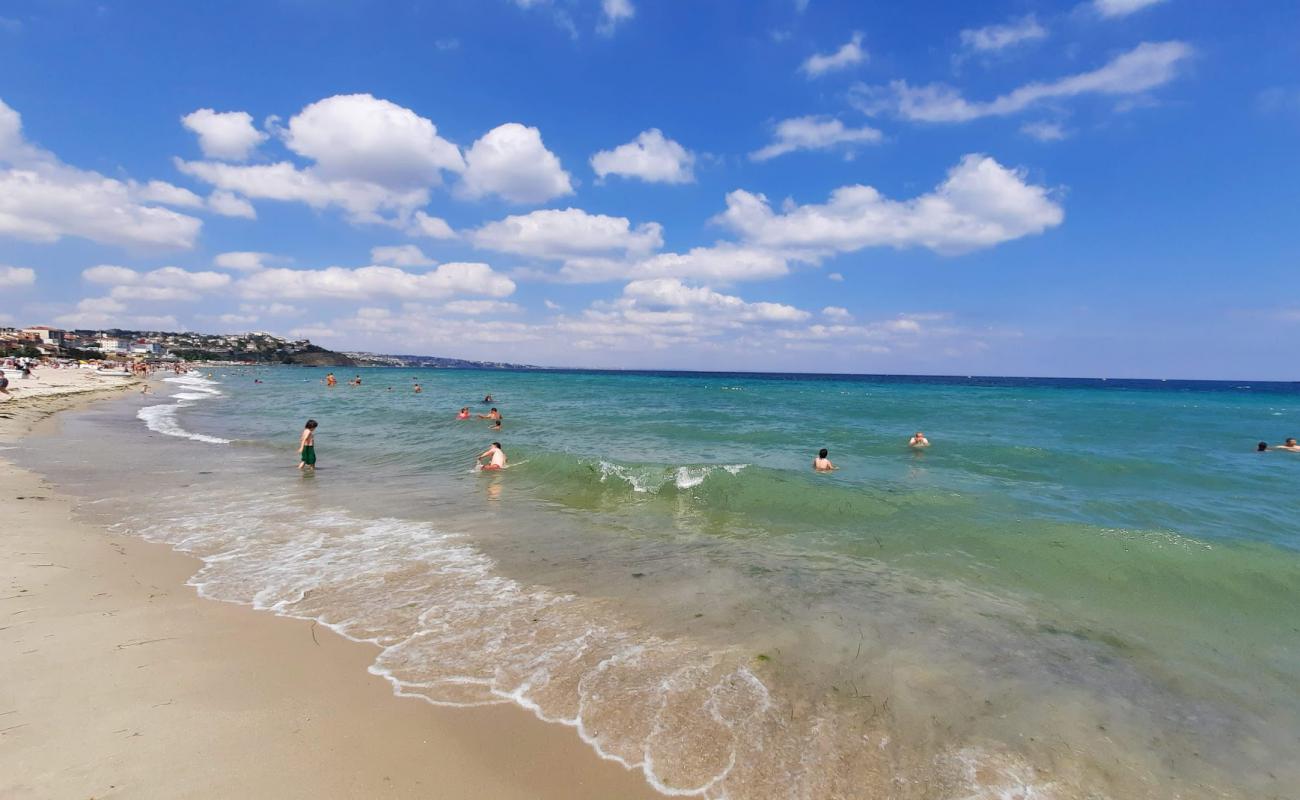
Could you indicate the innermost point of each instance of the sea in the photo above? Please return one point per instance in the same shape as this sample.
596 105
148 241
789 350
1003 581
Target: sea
1082 589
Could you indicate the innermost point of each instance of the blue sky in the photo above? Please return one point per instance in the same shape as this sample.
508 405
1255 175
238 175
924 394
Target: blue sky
1103 188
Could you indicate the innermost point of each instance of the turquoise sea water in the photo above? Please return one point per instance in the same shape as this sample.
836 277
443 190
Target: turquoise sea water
1082 589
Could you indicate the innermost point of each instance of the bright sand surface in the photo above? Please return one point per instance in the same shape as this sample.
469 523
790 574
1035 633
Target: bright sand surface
118 681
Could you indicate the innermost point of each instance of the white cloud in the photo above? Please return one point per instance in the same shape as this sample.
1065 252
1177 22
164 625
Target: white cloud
994 38
229 204
1121 8
242 260
163 284
614 12
721 263
477 307
403 255
370 157
1044 131
168 194
226 135
1147 66
650 156
848 55
837 313
44 200
271 309
571 232
376 281
814 133
12 277
359 137
432 227
835 276
552 305
980 204
511 161
657 293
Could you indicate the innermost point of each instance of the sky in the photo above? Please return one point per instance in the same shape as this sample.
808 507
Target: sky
1103 188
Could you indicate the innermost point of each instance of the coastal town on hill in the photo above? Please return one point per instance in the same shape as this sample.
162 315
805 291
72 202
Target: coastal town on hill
258 347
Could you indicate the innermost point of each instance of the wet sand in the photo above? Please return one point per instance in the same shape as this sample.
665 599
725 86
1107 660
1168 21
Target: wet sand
121 682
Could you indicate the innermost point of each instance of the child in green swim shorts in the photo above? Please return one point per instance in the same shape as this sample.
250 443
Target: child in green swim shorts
307 446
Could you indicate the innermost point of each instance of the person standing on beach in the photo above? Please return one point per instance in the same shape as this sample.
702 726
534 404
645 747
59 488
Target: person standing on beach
307 447
497 456
4 384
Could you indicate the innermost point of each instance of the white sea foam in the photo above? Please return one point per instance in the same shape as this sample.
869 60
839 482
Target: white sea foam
652 479
162 418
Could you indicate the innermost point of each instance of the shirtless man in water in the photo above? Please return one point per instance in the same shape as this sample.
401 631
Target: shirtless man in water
1289 444
493 414
497 455
918 440
821 463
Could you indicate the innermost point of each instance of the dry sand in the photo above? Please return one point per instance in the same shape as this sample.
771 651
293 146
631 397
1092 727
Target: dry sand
119 681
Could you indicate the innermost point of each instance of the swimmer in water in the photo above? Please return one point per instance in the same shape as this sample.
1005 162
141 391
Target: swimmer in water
1262 447
918 440
487 400
821 463
330 380
464 413
1289 445
418 389
496 426
497 456
493 414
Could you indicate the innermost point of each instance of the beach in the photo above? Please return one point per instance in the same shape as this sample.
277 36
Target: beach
121 682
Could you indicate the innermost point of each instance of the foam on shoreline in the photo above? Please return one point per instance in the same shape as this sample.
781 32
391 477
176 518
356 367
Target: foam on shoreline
162 418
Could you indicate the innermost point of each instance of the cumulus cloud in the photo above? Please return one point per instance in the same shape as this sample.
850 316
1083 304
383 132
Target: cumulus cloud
370 157
1145 67
814 133
571 232
1121 8
402 255
105 312
838 313
242 260
229 204
512 162
359 137
13 277
651 157
431 227
670 293
163 284
980 204
228 135
377 281
994 38
850 54
43 200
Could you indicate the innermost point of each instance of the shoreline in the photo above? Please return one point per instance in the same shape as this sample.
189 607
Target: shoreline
122 681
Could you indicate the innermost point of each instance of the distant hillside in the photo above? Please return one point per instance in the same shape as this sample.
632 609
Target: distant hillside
258 348
427 362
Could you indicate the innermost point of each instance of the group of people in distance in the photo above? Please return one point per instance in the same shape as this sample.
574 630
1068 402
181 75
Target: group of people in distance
822 462
307 440
1289 445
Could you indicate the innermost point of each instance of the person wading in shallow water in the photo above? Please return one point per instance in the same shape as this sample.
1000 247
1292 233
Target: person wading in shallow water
307 447
497 455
